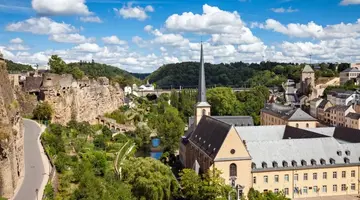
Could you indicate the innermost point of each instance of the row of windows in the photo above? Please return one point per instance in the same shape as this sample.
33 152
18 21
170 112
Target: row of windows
305 176
303 162
315 189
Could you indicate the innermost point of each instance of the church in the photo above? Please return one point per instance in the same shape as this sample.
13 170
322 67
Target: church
301 162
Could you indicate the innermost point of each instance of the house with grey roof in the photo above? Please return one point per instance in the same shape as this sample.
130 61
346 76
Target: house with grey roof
276 114
349 74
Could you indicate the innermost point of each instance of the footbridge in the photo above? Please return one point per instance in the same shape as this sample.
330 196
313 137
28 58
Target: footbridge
158 92
112 125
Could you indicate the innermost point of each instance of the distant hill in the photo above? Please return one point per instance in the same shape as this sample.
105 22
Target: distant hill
94 70
236 74
17 67
140 76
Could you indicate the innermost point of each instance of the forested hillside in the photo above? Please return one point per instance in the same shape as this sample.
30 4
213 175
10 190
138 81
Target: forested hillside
236 74
93 70
17 67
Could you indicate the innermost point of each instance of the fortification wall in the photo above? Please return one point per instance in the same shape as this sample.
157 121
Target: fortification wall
11 136
83 100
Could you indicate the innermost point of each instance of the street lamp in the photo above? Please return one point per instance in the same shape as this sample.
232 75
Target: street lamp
37 193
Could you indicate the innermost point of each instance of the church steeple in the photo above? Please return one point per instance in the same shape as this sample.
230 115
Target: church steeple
202 84
202 107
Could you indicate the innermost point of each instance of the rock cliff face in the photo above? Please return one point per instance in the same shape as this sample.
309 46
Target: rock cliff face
83 100
11 137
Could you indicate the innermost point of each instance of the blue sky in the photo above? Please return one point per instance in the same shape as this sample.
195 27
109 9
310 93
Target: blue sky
140 36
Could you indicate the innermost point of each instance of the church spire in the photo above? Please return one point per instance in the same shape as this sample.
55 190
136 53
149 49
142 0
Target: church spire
202 85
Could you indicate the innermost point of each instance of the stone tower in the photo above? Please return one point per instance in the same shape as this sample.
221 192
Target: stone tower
202 107
307 79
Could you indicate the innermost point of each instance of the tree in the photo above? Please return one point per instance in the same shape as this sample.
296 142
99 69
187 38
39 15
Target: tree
222 101
256 195
191 184
57 65
150 179
43 111
77 73
169 126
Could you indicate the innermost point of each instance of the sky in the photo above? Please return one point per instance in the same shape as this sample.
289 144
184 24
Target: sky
140 36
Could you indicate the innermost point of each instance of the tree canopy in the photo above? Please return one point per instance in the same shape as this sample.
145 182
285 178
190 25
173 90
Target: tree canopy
150 179
236 74
43 111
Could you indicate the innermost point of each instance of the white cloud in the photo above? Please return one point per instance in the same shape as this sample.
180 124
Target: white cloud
16 41
148 28
349 2
313 30
169 39
88 47
42 25
213 20
94 19
284 10
17 47
149 8
60 7
136 12
113 40
163 49
71 38
225 27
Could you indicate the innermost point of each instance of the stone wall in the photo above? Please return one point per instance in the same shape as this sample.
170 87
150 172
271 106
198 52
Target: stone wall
83 100
11 137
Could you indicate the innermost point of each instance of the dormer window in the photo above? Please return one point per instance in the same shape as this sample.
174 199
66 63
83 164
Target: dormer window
332 161
346 160
339 153
303 162
313 162
322 161
214 149
285 164
209 145
347 152
275 164
294 163
253 165
264 165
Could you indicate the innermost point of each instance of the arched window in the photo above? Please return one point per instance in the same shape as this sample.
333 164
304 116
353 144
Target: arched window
285 164
297 125
339 153
313 162
307 125
346 160
203 112
233 170
264 165
322 161
294 163
275 164
332 161
347 152
253 165
303 162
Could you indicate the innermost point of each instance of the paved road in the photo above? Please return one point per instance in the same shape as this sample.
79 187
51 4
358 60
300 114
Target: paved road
34 169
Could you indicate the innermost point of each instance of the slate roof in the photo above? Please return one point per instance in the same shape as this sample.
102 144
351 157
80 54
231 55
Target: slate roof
352 69
337 108
232 120
316 99
353 116
323 104
209 135
268 144
307 69
32 84
287 112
